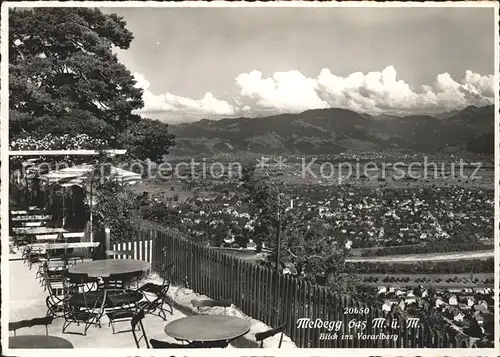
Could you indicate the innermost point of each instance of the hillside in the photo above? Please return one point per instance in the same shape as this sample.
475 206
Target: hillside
335 130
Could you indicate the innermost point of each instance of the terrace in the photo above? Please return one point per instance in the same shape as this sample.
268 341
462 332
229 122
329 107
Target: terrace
28 301
85 294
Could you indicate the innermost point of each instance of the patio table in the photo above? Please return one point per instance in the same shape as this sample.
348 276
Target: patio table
207 328
31 218
38 341
47 237
107 267
38 230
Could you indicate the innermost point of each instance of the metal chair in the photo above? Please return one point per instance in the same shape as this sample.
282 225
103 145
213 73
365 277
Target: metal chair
210 344
166 272
56 297
137 322
38 321
122 303
86 308
261 336
155 305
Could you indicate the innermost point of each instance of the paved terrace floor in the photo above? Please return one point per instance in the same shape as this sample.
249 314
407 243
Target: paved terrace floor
27 301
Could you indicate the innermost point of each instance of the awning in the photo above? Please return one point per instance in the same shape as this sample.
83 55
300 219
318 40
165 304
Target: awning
77 175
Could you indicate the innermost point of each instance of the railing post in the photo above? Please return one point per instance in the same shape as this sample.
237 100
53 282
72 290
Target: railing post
107 240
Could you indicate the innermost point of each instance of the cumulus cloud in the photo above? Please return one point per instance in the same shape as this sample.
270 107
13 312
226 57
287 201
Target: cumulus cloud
285 91
171 103
292 92
373 92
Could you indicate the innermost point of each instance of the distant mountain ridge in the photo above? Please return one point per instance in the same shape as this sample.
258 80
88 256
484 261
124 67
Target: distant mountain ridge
335 130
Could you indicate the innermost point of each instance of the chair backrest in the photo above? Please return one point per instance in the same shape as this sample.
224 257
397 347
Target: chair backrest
211 303
32 224
162 344
137 322
166 272
38 321
261 336
212 344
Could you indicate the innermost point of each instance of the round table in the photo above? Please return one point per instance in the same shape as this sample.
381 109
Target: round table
107 267
38 341
207 328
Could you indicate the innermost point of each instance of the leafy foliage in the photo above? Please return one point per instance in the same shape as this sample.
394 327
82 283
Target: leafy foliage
147 139
53 142
65 79
439 267
116 208
307 247
430 248
161 213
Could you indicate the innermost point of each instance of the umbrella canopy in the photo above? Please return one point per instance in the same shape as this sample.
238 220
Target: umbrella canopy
77 175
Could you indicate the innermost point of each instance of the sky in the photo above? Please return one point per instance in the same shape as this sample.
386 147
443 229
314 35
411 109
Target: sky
196 63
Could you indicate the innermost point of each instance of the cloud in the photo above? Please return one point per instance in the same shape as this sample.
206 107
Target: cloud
171 103
293 92
373 92
285 91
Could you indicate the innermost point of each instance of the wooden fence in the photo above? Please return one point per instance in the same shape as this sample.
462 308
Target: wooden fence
252 288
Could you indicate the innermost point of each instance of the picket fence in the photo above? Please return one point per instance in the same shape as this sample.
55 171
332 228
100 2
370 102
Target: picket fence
252 288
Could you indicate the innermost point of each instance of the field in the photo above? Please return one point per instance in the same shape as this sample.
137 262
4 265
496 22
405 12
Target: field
164 189
426 257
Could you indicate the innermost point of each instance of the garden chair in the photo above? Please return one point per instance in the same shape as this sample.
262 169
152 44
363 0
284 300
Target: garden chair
33 256
83 308
261 336
38 321
211 303
52 276
155 305
131 279
165 271
75 283
120 314
55 299
137 322
114 282
121 303
48 267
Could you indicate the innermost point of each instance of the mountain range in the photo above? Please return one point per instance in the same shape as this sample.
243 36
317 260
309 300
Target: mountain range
335 130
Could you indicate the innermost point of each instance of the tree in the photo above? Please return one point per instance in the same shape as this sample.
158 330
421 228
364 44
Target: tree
65 79
116 208
307 243
147 139
262 207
